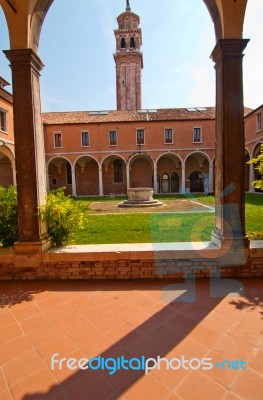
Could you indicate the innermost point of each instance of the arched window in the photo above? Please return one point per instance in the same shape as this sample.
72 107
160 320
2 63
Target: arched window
118 171
132 43
196 182
123 43
175 183
165 183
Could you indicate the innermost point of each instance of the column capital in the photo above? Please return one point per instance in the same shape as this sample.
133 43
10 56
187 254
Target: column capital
21 58
229 48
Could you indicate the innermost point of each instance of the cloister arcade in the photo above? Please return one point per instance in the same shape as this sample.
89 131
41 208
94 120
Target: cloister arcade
25 19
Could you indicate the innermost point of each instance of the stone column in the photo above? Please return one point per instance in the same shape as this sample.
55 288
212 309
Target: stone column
29 144
128 175
155 179
74 188
251 178
230 155
100 181
14 173
183 178
211 177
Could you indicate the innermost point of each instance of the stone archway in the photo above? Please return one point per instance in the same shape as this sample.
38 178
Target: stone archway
171 165
197 172
60 174
87 176
141 171
114 175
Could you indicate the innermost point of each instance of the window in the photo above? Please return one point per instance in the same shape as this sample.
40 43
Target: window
3 120
197 135
113 138
168 136
58 139
123 43
132 43
84 139
140 136
118 171
259 121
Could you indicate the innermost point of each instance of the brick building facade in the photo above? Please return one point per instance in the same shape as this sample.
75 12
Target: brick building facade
107 152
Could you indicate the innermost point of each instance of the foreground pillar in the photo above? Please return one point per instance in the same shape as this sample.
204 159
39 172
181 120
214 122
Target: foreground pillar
229 229
29 144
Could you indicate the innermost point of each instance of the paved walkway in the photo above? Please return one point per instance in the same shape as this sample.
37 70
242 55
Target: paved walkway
130 319
177 205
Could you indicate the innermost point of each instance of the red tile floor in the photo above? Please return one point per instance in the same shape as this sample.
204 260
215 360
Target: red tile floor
130 319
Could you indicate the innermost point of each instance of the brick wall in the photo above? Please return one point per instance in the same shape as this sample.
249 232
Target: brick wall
112 267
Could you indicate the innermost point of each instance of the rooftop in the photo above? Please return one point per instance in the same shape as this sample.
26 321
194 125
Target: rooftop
147 115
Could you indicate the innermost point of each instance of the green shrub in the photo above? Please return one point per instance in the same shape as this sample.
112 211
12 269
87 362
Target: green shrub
63 216
8 216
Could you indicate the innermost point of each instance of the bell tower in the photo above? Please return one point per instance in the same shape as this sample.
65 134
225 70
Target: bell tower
129 60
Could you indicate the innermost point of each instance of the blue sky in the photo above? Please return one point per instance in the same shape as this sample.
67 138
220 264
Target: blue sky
77 45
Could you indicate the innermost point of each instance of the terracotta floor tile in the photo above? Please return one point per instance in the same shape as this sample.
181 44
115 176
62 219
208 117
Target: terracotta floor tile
60 312
91 386
83 334
197 386
248 334
163 311
106 322
6 319
225 376
10 332
256 362
41 382
35 322
60 344
234 348
88 312
170 377
6 395
218 322
190 349
249 386
182 323
42 335
196 311
147 387
14 348
124 332
140 319
22 367
25 310
49 303
164 336
141 347
97 347
231 396
69 322
65 375
3 386
205 336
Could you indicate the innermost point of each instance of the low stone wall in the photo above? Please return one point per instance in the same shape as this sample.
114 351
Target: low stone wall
126 265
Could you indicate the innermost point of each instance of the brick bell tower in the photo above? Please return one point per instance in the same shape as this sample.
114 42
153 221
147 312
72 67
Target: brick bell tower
129 61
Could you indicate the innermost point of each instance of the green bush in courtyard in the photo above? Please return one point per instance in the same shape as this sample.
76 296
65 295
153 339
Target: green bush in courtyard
8 216
258 161
63 216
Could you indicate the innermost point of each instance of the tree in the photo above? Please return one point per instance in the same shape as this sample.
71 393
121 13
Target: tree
258 161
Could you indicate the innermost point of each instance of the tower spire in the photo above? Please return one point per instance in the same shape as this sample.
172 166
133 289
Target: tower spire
128 7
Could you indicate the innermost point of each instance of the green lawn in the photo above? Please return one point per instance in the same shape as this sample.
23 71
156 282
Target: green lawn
163 227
